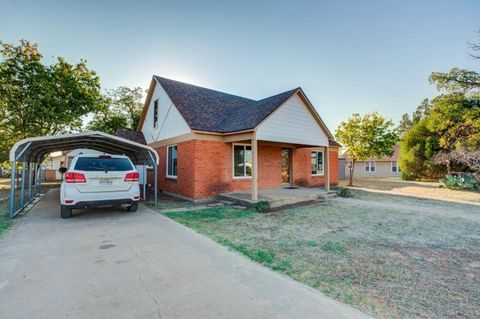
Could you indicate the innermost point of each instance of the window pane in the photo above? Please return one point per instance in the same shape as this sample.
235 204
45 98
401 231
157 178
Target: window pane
175 160
238 160
172 161
367 166
314 163
155 113
320 162
394 166
372 167
103 164
248 161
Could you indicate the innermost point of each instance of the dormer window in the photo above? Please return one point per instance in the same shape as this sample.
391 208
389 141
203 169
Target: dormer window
155 114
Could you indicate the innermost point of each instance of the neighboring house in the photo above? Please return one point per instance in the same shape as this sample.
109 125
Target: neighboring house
386 166
61 159
210 142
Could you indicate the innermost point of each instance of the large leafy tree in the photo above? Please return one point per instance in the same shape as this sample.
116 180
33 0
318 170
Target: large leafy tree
120 110
452 125
365 137
38 99
407 121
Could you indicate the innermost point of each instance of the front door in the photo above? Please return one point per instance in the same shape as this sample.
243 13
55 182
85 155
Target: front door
286 159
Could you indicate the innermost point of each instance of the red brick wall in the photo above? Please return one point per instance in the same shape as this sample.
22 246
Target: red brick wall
302 168
205 169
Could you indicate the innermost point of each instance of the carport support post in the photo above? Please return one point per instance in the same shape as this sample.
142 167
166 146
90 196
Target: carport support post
40 178
254 170
327 169
22 179
30 177
36 178
12 190
155 173
144 181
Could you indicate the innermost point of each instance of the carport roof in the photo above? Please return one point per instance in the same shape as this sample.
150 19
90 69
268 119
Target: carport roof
35 149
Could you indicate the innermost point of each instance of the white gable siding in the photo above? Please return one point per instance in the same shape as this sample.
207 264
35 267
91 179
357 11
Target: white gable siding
170 121
292 122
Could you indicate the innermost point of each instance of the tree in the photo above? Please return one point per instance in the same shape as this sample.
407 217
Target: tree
417 148
451 126
365 137
120 110
128 101
420 113
38 99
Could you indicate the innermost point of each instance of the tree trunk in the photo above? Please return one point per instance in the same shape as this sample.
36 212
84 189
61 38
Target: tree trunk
352 168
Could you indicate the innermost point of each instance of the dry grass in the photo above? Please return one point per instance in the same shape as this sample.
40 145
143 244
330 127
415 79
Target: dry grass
390 256
427 190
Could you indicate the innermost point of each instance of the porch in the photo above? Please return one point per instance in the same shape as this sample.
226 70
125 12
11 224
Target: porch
278 197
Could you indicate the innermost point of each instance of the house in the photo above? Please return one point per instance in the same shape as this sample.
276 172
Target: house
210 142
386 166
61 159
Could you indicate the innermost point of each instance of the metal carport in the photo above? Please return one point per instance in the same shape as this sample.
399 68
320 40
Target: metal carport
31 152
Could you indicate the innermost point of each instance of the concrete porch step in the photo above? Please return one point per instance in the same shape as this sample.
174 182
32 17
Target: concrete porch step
243 198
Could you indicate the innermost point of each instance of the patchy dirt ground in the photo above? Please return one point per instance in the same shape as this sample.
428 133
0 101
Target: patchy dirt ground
390 256
427 190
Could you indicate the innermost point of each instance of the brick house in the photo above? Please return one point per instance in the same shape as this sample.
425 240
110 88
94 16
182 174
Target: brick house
210 142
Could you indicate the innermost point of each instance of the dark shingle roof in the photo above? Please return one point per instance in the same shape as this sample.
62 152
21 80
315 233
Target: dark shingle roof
214 111
132 136
334 143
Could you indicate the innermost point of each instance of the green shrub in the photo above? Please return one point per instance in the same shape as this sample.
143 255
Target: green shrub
344 192
262 206
459 182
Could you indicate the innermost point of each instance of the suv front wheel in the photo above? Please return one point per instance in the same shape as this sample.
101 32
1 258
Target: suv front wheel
65 211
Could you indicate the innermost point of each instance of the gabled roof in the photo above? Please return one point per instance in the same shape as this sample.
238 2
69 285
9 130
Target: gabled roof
213 111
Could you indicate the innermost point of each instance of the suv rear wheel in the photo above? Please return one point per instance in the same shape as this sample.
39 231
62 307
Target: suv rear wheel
65 212
133 207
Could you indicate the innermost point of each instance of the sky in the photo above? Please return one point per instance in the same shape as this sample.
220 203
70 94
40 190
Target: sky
348 56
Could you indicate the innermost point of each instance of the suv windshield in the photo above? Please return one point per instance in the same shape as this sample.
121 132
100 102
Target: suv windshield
103 164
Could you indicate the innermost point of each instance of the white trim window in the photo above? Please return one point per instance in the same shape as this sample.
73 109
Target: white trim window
317 163
172 161
242 161
395 167
155 113
370 167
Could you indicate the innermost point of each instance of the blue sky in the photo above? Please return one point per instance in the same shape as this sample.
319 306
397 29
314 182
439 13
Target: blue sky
348 56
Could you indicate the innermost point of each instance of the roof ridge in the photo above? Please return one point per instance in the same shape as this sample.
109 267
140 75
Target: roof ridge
284 92
204 88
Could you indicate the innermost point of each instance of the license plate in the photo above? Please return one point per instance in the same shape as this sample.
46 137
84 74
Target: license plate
106 181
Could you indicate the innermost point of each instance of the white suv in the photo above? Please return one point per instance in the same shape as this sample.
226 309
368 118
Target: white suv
98 180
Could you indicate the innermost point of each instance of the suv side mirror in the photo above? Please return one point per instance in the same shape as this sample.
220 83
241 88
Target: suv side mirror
62 170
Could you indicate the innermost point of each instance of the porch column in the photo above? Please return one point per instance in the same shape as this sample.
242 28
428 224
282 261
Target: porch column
327 169
254 170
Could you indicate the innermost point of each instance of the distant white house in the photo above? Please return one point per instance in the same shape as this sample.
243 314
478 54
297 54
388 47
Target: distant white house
61 159
386 166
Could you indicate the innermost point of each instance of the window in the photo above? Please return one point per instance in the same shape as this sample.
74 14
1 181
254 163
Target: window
103 164
317 163
242 161
172 159
394 166
155 114
370 167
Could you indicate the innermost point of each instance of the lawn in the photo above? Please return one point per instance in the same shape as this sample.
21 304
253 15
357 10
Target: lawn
419 189
389 256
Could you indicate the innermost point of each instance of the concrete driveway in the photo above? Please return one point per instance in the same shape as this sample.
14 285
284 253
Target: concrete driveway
108 263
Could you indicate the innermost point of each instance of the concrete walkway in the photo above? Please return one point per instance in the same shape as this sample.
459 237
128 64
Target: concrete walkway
108 263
